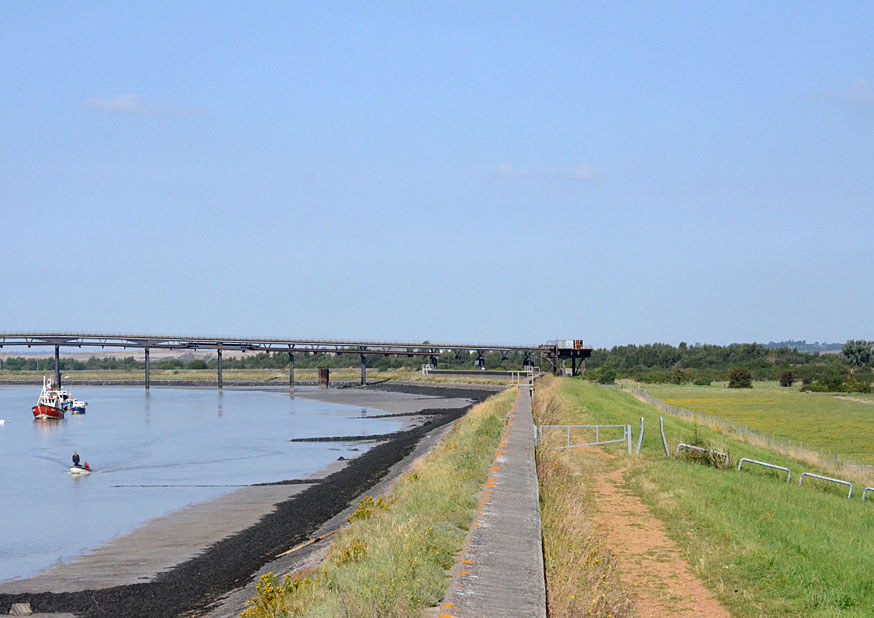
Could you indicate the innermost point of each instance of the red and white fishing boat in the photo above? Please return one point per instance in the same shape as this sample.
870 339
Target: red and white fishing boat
50 404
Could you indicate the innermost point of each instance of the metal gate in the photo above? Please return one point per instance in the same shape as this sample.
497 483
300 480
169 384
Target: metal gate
626 434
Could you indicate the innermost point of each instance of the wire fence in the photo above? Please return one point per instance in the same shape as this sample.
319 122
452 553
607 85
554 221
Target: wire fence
772 441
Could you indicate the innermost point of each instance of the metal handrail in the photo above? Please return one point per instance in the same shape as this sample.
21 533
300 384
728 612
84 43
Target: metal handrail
577 426
639 438
827 478
867 489
766 464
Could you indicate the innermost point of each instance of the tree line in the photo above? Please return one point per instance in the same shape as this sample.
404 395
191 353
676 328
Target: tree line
852 370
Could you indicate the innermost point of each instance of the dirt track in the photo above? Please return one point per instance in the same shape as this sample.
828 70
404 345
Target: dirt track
651 563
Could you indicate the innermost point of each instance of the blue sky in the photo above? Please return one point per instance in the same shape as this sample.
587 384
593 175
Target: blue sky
499 172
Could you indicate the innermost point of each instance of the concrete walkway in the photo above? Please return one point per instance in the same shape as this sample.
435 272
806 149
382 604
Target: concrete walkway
500 570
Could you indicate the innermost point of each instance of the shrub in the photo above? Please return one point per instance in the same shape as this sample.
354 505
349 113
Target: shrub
366 506
855 386
858 353
607 375
740 378
197 364
787 379
707 457
701 382
815 387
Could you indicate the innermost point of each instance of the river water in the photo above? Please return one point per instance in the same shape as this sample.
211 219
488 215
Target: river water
152 454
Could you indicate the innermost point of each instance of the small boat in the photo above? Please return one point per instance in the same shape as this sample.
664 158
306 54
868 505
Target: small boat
49 404
66 398
80 470
78 406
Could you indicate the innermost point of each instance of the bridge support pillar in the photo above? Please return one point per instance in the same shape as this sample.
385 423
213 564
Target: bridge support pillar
147 368
363 370
58 365
219 368
291 370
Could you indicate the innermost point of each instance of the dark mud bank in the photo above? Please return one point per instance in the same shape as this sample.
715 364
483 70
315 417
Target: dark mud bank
189 588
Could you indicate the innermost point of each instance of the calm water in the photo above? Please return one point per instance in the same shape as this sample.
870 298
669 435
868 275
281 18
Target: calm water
152 454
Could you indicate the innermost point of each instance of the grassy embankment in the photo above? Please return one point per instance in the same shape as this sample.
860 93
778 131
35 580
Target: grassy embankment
580 575
764 547
842 422
392 560
267 376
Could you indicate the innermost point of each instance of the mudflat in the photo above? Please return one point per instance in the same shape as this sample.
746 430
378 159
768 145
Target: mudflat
187 560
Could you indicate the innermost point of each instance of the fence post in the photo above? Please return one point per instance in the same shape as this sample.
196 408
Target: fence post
628 436
640 437
664 441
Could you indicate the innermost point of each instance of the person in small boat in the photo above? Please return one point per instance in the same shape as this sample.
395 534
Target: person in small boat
76 458
86 466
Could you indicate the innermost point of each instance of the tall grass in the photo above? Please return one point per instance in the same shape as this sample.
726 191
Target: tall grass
580 575
764 547
392 560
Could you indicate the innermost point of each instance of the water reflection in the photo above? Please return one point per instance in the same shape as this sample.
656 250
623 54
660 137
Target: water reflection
46 426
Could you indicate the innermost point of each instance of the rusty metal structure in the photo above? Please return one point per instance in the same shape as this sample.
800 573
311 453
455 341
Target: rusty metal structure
553 353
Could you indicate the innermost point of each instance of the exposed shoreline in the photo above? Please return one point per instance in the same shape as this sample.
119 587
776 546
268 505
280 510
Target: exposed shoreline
191 586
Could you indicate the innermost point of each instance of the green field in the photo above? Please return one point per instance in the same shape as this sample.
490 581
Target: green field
763 547
842 423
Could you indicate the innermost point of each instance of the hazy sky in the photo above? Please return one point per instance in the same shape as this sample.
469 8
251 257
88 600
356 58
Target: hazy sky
498 172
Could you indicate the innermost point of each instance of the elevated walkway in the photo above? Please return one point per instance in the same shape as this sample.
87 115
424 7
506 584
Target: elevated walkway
500 571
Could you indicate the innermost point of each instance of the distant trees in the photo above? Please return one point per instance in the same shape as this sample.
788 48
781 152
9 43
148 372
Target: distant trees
787 379
752 356
858 353
740 378
606 375
601 375
271 360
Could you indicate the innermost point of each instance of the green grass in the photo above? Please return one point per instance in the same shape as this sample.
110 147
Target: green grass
820 420
393 562
579 567
764 547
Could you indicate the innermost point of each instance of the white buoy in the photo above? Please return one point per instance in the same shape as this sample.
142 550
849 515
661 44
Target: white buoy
2 421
